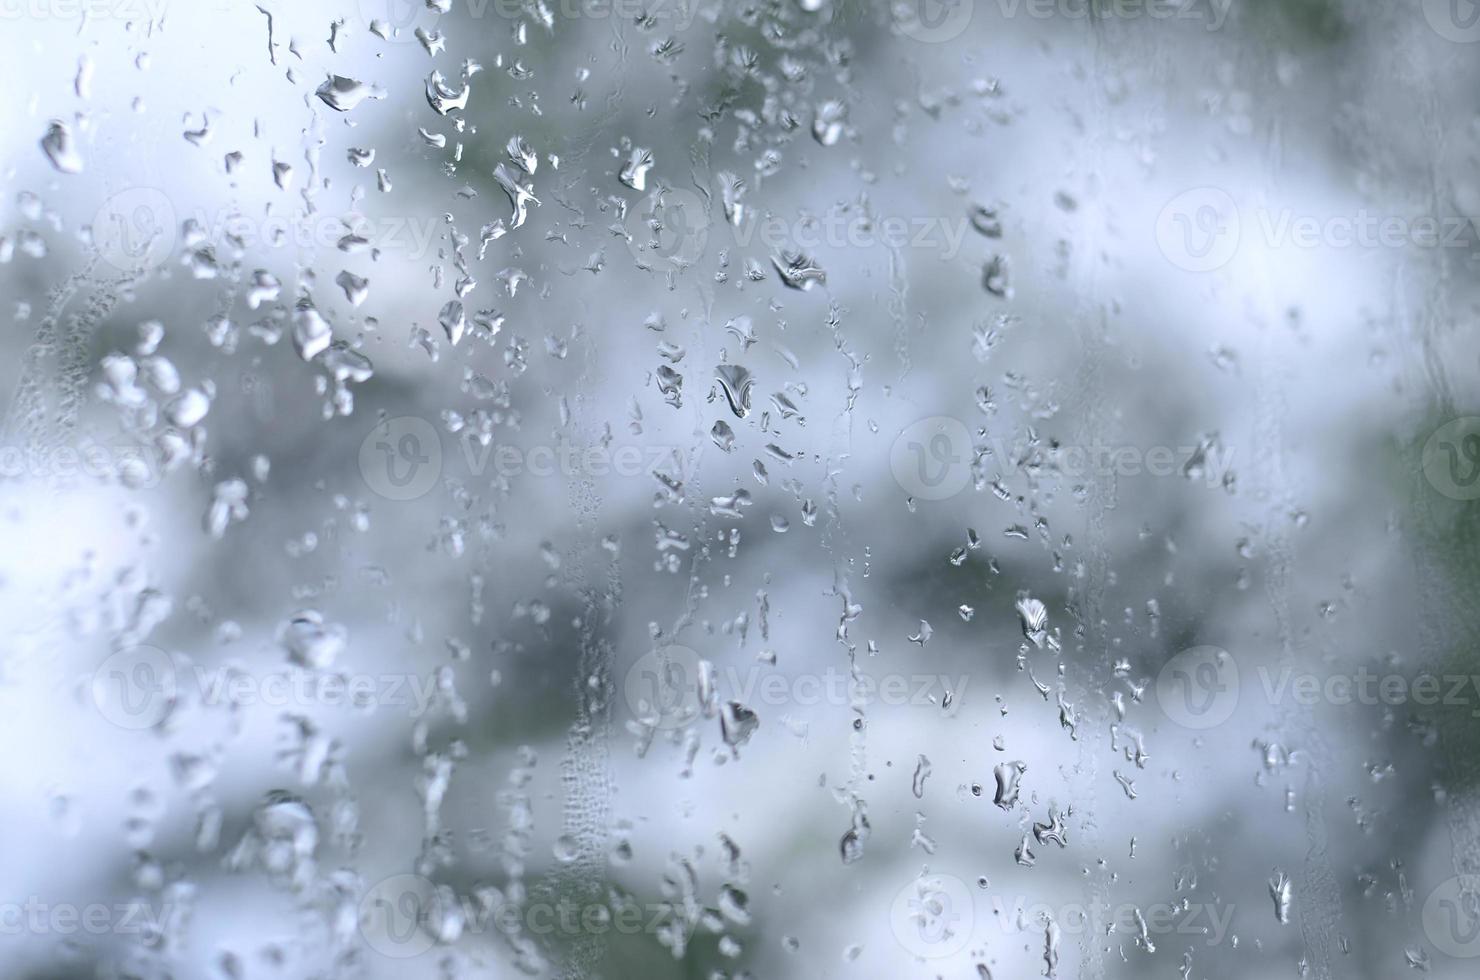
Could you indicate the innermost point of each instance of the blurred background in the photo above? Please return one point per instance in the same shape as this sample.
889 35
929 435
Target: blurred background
812 488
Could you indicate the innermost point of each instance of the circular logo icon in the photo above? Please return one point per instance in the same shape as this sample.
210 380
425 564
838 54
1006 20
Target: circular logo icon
931 459
1451 917
679 13
670 225
933 21
399 20
662 687
1198 230
1454 20
401 458
136 229
1451 459
932 917
1199 687
396 913
136 688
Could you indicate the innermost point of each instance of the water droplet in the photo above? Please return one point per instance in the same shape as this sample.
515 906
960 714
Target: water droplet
799 271
634 172
343 94
1281 891
453 321
61 148
736 383
311 332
